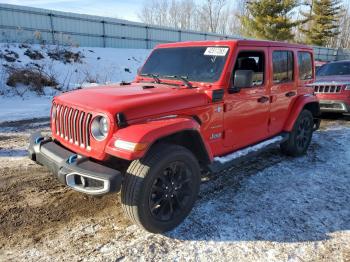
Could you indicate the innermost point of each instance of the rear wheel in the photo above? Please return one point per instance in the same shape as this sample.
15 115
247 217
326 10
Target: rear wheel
300 137
160 190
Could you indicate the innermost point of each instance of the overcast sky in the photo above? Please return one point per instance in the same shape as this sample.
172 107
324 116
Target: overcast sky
124 9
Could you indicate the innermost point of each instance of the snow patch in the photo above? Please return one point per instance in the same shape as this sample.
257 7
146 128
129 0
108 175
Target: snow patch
13 152
17 108
97 66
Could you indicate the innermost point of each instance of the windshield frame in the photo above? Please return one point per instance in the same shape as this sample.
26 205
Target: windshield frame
168 80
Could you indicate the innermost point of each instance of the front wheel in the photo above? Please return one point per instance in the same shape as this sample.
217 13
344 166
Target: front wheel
300 137
160 190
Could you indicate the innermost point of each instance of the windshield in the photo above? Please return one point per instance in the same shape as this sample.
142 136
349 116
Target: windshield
201 64
339 68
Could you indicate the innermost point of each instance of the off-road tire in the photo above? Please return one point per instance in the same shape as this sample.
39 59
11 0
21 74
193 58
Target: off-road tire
302 129
140 179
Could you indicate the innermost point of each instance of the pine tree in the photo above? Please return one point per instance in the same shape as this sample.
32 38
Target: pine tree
269 19
322 21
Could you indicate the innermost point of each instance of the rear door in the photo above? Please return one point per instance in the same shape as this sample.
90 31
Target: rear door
283 86
246 113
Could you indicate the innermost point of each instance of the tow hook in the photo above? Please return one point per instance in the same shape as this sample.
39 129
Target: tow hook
72 159
38 139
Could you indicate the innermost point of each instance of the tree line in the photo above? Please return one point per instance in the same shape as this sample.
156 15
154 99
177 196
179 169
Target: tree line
314 22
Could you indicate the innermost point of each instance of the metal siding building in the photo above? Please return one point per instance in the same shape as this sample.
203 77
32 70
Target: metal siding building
27 24
35 25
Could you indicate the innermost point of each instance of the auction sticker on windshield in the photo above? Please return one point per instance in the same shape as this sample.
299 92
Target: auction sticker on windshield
216 51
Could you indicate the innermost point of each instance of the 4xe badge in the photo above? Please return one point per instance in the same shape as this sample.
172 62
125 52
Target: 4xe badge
218 109
215 136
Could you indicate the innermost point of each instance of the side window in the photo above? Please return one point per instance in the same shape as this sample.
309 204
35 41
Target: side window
305 65
252 60
283 66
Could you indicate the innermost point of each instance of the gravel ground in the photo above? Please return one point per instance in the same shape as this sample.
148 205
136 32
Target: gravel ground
272 208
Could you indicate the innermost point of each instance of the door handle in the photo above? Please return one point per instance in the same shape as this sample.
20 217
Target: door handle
263 99
290 94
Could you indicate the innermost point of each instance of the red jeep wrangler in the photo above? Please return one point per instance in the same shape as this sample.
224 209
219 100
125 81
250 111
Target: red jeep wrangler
193 106
332 87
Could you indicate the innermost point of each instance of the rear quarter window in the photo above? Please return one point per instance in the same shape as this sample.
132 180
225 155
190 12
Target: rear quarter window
305 65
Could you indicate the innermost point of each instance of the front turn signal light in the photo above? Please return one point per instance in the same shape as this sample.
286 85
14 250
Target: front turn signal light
130 146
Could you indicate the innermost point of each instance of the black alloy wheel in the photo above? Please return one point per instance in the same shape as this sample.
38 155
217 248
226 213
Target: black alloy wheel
159 190
300 137
171 191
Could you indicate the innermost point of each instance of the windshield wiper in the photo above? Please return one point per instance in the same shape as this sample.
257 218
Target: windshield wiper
154 76
184 79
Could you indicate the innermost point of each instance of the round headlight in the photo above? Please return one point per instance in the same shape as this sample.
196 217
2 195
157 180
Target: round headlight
53 111
99 128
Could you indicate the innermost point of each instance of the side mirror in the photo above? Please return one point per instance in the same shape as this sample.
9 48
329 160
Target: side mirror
233 90
242 79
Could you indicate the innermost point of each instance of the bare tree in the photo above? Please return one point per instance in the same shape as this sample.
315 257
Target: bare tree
181 14
146 14
155 12
174 13
215 16
343 39
234 25
187 11
210 12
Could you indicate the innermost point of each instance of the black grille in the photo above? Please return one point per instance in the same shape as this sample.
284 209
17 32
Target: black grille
327 88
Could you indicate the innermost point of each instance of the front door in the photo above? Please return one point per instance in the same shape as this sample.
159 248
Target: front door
246 113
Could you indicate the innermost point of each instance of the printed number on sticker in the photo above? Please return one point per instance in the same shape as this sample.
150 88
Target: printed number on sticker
216 51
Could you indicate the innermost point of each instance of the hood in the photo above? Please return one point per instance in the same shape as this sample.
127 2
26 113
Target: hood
136 100
339 79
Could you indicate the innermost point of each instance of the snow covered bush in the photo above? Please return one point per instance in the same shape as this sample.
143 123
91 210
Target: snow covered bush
35 78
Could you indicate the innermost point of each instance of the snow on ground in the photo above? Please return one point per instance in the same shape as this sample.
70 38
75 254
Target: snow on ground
17 108
101 65
291 210
271 208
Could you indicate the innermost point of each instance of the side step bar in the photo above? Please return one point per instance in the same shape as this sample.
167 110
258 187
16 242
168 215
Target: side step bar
223 162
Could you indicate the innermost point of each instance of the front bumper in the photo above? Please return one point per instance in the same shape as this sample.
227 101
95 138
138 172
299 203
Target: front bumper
336 106
75 171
